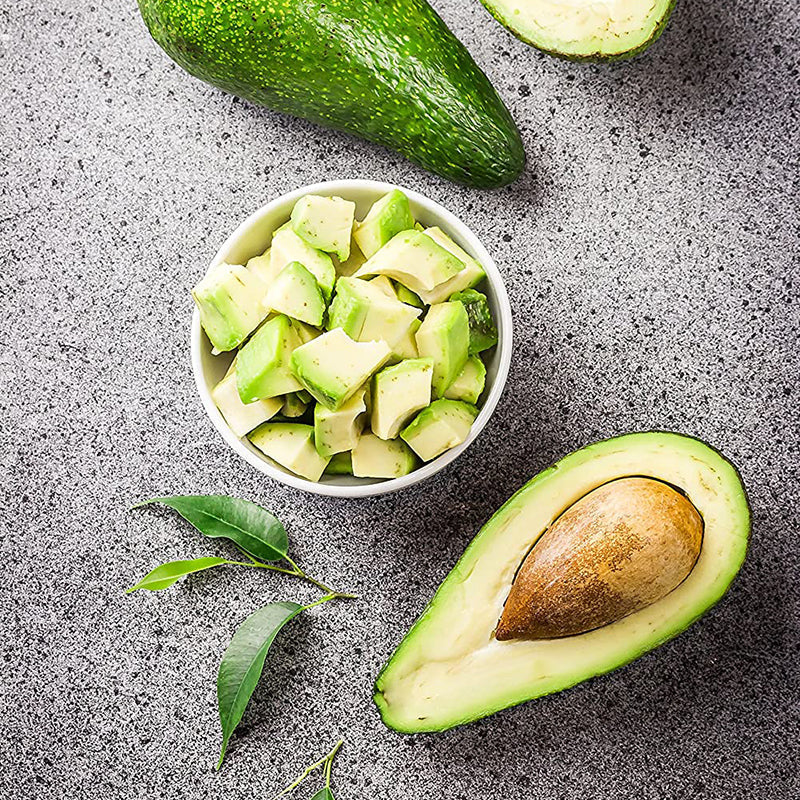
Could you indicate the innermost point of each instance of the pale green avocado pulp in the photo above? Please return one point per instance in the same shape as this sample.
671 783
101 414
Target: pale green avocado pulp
450 669
592 30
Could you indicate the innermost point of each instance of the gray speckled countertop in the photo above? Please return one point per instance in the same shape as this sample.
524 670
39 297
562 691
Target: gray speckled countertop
651 259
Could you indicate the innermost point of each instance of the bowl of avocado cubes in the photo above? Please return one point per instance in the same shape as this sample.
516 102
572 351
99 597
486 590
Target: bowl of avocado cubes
351 338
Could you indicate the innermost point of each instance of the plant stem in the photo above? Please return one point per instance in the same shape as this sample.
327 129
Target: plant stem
295 572
326 761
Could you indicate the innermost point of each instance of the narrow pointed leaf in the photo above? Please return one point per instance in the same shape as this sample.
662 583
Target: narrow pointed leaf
247 524
243 662
165 575
323 794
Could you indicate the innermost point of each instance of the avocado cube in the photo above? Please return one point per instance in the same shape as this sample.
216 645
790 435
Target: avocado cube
333 367
469 384
262 366
287 246
398 392
337 431
325 223
291 444
376 458
241 417
261 266
293 406
444 424
405 295
482 330
415 260
385 285
340 464
385 219
296 293
406 346
366 314
472 274
444 337
230 300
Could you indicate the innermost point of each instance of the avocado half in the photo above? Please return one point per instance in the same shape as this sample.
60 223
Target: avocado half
585 30
450 669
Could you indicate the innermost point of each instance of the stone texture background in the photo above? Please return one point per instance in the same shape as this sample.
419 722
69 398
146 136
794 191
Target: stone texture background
651 258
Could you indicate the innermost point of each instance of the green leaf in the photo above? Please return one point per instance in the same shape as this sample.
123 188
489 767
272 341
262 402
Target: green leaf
323 794
250 526
165 575
243 662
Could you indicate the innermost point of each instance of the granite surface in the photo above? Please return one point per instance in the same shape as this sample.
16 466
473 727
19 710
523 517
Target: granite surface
651 255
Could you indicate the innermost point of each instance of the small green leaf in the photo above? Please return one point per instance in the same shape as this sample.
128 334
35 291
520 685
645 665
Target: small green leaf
243 662
246 524
165 575
323 794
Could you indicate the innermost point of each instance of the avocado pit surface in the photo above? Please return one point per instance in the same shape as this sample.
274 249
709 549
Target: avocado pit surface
618 549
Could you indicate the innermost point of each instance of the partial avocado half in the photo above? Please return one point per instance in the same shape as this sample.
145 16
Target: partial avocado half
451 668
585 30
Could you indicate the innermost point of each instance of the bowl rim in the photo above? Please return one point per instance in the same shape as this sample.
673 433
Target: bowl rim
450 222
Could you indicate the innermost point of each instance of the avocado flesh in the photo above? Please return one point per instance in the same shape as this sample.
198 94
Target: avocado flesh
585 30
450 669
389 71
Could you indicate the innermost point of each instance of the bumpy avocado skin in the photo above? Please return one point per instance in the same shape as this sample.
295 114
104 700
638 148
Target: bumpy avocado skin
389 71
597 58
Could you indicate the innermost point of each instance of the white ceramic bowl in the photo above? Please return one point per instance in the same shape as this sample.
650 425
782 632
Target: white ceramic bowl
253 236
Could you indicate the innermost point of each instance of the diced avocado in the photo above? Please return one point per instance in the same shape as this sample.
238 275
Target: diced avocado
230 300
584 30
352 265
262 267
482 330
405 295
241 417
376 458
366 314
385 285
333 367
406 346
287 246
293 406
262 366
472 274
292 446
415 260
337 431
418 226
305 333
296 293
398 393
340 464
469 384
326 223
444 337
387 217
444 424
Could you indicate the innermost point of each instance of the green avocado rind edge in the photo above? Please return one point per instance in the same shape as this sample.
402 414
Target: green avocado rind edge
592 58
419 92
571 460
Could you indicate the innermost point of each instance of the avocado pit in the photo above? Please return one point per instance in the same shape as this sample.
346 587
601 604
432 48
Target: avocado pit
620 548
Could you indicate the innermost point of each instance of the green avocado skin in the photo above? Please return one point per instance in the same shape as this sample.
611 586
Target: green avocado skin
389 71
597 58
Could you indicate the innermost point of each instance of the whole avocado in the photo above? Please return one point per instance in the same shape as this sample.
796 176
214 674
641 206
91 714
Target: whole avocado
389 71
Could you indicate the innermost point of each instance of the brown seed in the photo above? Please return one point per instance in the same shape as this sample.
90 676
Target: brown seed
618 549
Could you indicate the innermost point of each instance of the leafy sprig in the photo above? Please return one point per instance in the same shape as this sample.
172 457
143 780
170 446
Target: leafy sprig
257 534
326 762
263 541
